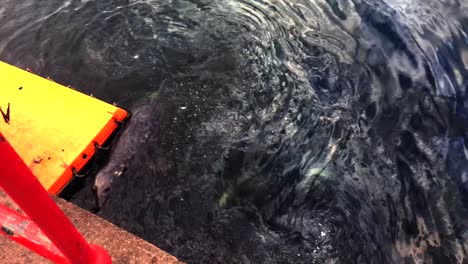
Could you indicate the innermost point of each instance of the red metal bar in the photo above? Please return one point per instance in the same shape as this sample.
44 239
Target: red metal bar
21 229
25 189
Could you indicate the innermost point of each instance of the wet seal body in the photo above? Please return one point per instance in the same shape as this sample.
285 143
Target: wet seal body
136 133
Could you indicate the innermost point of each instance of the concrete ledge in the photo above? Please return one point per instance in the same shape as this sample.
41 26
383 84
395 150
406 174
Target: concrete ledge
121 245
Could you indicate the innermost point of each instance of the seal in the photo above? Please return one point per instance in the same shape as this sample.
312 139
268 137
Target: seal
134 135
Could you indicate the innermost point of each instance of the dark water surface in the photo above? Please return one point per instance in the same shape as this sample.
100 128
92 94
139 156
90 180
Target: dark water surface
303 131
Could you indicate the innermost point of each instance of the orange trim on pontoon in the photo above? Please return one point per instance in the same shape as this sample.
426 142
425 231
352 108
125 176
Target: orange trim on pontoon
53 128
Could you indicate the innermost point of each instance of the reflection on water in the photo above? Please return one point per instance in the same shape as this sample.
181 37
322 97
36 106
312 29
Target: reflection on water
304 131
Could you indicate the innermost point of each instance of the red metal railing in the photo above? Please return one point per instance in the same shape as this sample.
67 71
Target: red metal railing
22 230
65 245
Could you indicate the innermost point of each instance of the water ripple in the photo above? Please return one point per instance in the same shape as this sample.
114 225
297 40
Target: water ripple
327 131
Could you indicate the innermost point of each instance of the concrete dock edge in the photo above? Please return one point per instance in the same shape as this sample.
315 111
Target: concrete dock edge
121 245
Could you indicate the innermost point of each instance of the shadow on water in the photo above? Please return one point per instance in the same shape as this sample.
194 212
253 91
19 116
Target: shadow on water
328 131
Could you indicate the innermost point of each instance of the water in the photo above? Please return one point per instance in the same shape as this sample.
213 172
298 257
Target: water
306 131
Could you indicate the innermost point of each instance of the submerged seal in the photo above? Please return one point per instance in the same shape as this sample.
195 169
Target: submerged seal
135 134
